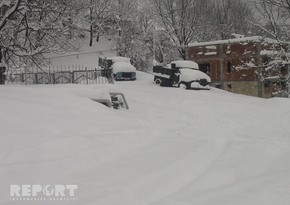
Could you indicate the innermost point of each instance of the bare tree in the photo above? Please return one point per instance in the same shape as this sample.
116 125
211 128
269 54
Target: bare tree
231 17
32 28
98 18
183 20
125 12
274 23
274 19
7 10
280 3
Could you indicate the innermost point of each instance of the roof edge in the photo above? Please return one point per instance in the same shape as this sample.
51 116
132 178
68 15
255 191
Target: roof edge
236 40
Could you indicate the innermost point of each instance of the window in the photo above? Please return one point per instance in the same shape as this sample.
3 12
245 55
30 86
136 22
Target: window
204 67
229 67
283 85
211 50
228 50
229 86
267 84
283 69
219 86
200 51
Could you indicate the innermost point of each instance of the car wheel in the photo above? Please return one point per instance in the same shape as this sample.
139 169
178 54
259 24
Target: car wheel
158 81
203 82
183 85
118 76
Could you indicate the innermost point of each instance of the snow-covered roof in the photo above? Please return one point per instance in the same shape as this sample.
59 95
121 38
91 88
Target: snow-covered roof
184 64
123 67
235 40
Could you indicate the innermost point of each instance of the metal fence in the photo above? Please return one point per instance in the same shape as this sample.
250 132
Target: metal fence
60 75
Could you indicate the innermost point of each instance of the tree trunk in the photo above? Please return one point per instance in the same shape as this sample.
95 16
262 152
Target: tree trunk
98 37
91 35
1 55
91 22
183 53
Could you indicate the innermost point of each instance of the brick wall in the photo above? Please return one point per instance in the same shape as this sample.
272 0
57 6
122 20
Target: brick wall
234 65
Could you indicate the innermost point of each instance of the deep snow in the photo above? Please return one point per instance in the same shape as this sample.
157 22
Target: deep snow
173 147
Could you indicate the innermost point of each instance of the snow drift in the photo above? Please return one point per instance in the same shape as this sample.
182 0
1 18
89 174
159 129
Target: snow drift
173 147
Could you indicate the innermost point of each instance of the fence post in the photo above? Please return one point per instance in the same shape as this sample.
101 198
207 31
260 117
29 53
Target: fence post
87 80
36 78
111 76
72 77
53 77
49 65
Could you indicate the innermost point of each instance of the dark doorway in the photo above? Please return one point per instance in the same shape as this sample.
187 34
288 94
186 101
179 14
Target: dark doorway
204 67
229 67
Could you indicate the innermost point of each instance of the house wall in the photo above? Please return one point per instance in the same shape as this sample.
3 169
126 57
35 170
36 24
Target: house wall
229 66
239 56
234 65
242 87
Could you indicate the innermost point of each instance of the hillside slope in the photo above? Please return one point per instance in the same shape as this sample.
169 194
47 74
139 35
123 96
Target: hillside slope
173 147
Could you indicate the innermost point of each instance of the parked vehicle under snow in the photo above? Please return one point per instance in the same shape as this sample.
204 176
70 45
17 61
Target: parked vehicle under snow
181 73
121 66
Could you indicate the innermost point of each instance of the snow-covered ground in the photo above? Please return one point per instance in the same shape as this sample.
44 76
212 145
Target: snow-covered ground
172 147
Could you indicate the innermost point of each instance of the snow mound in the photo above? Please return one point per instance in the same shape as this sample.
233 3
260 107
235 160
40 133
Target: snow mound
173 147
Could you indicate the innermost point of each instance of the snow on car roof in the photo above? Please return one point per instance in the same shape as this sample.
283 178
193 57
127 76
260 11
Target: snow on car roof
120 59
123 67
185 64
116 59
187 75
